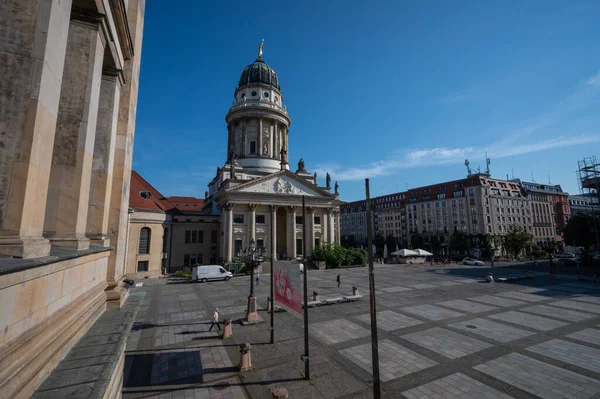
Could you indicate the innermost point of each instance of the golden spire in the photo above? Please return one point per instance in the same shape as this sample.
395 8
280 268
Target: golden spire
260 46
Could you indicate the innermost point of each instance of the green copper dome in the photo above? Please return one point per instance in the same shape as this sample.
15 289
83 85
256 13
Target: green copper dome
259 72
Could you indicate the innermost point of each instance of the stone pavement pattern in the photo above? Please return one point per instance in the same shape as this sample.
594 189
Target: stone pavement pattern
441 335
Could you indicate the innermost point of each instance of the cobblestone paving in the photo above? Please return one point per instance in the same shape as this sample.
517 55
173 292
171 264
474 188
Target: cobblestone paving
590 335
467 306
441 336
522 296
390 321
490 329
432 312
569 352
332 332
446 342
577 305
539 378
497 301
558 313
455 386
394 360
528 320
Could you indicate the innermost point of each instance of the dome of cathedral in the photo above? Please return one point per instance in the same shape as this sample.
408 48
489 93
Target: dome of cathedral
259 72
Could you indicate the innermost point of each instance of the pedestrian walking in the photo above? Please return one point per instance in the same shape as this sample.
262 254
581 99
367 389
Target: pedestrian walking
215 320
338 280
492 262
257 278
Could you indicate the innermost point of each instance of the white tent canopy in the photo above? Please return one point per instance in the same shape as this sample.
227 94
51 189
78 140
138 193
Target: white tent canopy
422 252
405 252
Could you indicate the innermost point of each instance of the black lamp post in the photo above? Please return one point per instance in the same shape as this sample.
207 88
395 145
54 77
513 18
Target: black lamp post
252 258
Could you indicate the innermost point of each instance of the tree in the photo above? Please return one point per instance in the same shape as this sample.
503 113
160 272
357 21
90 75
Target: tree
348 241
459 242
579 231
379 242
516 240
391 242
417 241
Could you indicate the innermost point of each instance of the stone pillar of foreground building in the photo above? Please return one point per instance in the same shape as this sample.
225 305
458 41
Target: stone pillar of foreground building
32 60
103 160
338 236
119 197
69 187
329 226
291 228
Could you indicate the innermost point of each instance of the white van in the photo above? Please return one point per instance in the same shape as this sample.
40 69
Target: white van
210 272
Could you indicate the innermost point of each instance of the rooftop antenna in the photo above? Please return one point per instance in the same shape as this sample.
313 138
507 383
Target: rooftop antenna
507 176
406 184
487 164
513 171
478 169
467 163
532 178
549 182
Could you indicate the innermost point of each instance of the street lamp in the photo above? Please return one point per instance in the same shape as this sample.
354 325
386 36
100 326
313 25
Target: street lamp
252 258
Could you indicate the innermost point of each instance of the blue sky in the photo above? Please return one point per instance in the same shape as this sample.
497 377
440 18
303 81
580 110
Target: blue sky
400 92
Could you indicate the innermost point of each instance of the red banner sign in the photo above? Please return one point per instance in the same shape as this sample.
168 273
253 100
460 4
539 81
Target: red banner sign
287 286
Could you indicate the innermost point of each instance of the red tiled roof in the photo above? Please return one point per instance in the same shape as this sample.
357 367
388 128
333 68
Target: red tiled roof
156 202
187 203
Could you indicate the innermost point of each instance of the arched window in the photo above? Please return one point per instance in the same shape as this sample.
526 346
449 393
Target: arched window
144 241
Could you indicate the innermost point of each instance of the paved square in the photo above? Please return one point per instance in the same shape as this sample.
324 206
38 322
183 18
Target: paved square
567 288
528 320
492 330
340 330
394 360
539 378
577 305
432 312
390 321
558 313
395 289
569 352
590 335
590 299
497 301
467 306
423 286
522 296
455 386
446 342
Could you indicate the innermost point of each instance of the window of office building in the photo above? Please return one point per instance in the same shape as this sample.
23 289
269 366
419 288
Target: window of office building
142 266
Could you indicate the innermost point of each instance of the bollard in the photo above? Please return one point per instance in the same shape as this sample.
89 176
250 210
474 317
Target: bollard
354 290
279 393
316 297
227 329
245 358
268 304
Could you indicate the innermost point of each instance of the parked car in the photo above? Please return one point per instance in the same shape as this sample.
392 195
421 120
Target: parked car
565 255
471 261
210 272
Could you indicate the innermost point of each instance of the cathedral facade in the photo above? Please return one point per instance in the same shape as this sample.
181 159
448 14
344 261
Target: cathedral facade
255 189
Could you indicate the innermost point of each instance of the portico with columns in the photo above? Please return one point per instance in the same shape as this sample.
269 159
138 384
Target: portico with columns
256 189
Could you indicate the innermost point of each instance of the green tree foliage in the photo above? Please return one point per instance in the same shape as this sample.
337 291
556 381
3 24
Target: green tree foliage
391 242
349 241
379 242
579 231
459 242
335 255
516 240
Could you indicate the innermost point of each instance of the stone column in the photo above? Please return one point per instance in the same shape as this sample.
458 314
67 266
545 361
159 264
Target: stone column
223 240
291 228
274 221
252 223
330 232
259 150
70 176
103 161
276 141
32 55
337 228
119 200
310 232
229 233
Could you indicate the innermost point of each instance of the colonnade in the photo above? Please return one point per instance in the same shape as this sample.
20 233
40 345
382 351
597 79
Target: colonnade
72 79
330 232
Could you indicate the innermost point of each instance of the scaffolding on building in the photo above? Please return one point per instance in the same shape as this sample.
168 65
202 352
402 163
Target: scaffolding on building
588 175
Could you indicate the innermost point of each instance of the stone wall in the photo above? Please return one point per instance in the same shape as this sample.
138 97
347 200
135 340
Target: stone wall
138 221
44 310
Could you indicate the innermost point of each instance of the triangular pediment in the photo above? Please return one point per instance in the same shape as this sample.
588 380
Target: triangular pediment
284 183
